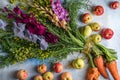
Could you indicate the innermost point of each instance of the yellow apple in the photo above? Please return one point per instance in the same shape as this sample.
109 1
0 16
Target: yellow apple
38 77
86 18
95 26
48 76
66 76
96 38
42 68
86 31
78 63
22 74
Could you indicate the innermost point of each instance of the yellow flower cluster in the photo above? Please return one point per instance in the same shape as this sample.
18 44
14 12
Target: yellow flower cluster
20 3
13 1
31 50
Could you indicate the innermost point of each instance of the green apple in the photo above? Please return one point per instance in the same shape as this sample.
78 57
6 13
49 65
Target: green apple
78 63
86 31
95 26
96 38
66 76
38 77
48 76
42 68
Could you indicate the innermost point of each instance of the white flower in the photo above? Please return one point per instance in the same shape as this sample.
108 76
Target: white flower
3 24
18 29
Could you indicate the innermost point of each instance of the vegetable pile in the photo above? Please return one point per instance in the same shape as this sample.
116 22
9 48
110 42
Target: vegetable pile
48 29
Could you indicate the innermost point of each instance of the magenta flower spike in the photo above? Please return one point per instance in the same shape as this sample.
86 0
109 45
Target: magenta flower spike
17 10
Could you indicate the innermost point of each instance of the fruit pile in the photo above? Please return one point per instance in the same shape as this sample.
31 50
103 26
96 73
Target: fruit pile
86 18
44 74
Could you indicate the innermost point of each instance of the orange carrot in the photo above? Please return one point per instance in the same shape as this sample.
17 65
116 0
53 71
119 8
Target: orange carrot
100 65
93 74
112 67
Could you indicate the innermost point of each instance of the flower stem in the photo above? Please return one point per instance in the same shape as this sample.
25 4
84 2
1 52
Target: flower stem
77 41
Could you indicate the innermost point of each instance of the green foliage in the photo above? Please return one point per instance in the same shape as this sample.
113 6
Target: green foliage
110 54
74 7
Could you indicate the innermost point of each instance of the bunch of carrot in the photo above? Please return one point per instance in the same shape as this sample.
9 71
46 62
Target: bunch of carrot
105 57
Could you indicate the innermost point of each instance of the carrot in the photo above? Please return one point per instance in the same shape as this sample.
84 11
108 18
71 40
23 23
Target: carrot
98 61
112 67
93 74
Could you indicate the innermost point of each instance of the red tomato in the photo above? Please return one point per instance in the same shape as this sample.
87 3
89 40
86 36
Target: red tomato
107 33
98 10
114 5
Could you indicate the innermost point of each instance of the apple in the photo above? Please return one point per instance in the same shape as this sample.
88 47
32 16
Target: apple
107 33
57 67
86 31
42 68
96 38
78 63
98 10
114 4
22 74
86 18
66 76
48 76
38 77
95 26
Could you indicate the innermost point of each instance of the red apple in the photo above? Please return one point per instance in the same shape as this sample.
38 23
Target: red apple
114 4
38 77
98 10
66 76
57 67
22 74
42 68
86 18
107 33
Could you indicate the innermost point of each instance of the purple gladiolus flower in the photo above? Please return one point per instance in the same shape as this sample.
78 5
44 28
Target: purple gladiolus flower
36 28
17 10
50 38
19 20
10 16
2 24
59 10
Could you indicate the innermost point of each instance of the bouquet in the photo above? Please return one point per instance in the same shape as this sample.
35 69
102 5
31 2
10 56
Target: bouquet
48 29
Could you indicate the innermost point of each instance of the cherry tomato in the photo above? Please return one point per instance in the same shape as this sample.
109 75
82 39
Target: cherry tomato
107 33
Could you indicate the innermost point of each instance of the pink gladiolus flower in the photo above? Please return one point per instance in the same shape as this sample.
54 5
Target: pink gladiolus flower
59 10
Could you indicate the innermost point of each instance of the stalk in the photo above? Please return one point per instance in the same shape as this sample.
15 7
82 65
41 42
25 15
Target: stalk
77 41
91 61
